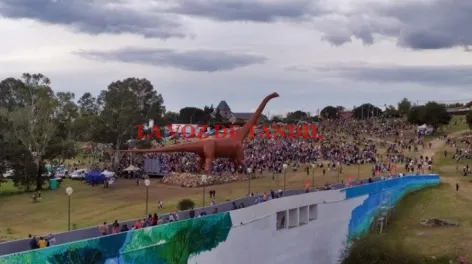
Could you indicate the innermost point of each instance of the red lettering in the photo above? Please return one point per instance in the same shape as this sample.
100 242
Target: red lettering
233 129
155 131
280 131
306 131
314 133
252 133
291 129
171 130
266 132
217 131
183 131
140 131
202 131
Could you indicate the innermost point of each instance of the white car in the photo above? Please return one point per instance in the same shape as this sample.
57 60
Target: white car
78 174
8 174
61 173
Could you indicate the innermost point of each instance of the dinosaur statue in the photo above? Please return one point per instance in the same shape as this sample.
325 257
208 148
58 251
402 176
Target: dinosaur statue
210 149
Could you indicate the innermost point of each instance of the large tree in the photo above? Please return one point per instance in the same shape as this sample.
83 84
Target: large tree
435 115
414 115
367 111
390 111
193 115
329 112
88 105
469 119
432 114
297 116
171 117
126 104
32 114
62 146
404 106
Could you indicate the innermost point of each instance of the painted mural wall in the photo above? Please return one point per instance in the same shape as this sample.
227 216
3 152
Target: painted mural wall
317 227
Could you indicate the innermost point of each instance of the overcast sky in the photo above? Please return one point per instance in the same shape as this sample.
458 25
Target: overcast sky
199 52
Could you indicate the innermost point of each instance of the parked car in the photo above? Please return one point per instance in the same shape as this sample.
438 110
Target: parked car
78 174
8 174
61 173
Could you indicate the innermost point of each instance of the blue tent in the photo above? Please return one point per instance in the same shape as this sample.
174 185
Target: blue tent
95 177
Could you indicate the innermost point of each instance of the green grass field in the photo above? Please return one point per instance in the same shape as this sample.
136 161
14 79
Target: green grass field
442 202
125 200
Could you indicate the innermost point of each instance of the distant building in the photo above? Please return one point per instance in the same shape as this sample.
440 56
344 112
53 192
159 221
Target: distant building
227 114
461 110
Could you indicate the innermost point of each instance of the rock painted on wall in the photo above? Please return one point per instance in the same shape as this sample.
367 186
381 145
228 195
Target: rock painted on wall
166 244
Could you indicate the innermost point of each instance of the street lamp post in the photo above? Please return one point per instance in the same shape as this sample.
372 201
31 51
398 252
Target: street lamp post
313 166
285 166
358 169
339 172
249 171
69 192
204 181
147 182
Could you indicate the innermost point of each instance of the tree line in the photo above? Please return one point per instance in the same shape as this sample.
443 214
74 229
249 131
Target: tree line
38 124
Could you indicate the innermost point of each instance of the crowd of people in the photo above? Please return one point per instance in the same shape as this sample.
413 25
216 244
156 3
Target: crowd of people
345 142
41 242
154 219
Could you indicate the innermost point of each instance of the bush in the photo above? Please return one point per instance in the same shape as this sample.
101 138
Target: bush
185 204
376 249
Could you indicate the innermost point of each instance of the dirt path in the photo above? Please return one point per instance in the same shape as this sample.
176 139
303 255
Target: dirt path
437 144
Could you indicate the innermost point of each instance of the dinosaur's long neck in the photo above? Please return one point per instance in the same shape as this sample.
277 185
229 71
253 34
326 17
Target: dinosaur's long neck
242 133
195 147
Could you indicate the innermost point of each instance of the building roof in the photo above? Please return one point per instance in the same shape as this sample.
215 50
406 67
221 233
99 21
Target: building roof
223 106
458 109
246 116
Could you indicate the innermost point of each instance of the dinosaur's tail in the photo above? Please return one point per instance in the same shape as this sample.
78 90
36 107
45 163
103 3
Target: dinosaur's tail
242 133
195 147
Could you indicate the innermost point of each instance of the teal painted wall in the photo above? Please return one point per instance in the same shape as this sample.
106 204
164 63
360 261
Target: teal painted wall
382 194
177 242
166 244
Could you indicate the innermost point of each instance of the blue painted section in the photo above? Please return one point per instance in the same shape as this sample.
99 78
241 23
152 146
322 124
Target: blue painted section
380 195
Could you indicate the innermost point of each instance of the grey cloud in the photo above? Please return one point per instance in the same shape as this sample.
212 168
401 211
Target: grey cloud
432 76
254 10
196 60
94 17
416 24
434 24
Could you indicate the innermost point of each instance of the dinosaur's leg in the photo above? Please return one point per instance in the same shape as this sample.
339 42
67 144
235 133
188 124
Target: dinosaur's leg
208 165
240 158
201 164
209 151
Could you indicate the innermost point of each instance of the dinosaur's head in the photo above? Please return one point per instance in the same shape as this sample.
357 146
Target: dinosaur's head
273 95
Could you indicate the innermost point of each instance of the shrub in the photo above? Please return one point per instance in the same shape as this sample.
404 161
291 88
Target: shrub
185 204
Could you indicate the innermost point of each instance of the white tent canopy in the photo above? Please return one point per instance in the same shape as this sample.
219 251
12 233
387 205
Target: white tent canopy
132 168
108 173
425 129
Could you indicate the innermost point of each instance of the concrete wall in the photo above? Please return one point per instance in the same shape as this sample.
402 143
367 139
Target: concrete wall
318 226
92 232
